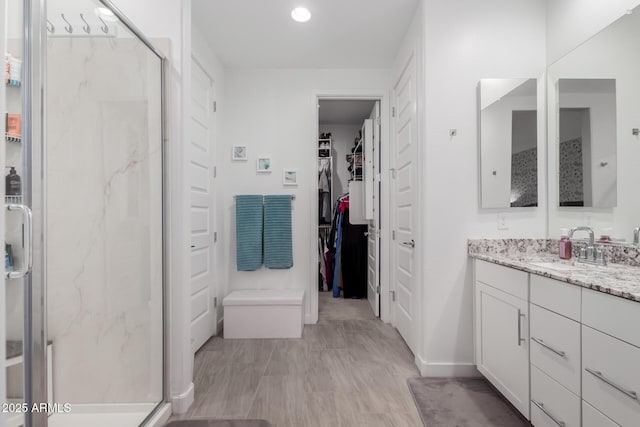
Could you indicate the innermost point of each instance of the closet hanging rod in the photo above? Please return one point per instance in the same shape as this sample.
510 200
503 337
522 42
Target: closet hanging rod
293 196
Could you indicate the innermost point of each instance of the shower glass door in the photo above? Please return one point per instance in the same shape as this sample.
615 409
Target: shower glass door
92 169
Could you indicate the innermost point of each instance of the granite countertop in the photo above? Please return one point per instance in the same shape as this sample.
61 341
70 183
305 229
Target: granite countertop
621 280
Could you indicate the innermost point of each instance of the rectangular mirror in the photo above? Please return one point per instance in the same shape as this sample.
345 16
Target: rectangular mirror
508 143
587 149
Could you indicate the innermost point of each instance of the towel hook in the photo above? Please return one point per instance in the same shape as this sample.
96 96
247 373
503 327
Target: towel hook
87 27
67 27
105 27
50 27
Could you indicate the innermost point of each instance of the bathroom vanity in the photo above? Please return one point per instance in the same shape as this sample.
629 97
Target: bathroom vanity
559 340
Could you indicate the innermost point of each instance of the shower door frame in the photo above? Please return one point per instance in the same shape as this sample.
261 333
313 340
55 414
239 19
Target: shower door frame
34 183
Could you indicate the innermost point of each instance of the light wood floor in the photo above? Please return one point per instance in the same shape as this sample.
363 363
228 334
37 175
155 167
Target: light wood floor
350 369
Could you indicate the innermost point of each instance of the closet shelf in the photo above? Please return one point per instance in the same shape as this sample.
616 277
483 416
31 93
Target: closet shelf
13 138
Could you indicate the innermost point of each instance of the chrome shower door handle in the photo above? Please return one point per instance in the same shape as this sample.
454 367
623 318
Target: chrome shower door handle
27 221
411 244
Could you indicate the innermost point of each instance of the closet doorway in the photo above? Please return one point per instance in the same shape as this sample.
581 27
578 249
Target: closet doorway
349 199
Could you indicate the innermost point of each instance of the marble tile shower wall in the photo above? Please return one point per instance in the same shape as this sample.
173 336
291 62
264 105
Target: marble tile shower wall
104 223
625 254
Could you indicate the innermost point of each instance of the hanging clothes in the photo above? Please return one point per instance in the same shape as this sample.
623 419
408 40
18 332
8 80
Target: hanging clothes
324 190
354 258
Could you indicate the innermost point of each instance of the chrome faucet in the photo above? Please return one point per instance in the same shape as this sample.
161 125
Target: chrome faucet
590 254
636 236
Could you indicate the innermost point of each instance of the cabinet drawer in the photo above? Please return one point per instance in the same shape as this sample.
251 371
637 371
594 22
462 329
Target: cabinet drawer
551 403
610 376
555 346
591 417
556 296
612 315
509 280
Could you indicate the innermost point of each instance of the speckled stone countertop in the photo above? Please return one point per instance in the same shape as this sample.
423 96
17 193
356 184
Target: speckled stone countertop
622 280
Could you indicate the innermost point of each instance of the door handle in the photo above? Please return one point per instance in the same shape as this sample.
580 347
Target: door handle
411 244
27 221
548 347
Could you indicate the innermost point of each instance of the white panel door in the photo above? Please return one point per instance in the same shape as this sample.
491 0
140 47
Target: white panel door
404 155
201 175
373 265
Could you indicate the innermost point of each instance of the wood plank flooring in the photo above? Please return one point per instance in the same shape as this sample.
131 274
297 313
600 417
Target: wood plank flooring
349 369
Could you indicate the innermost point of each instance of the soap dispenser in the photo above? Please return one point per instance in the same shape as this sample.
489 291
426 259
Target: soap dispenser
564 245
13 185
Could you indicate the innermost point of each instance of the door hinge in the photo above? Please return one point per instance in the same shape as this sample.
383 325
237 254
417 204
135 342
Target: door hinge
215 107
393 111
378 289
215 171
378 178
215 236
393 173
393 295
378 234
215 302
378 121
393 234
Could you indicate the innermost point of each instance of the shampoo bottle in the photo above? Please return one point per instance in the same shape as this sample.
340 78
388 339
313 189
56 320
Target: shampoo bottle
564 245
13 186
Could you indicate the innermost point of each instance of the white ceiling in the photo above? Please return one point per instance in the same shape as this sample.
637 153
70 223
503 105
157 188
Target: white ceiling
341 33
344 112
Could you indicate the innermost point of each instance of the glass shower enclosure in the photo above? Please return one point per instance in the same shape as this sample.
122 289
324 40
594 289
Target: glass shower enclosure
85 226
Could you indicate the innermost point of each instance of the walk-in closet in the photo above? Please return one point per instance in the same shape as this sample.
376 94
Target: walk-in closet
347 242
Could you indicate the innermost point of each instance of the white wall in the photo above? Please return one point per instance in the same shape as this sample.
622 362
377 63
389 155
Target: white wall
172 20
604 56
466 41
342 137
273 112
571 22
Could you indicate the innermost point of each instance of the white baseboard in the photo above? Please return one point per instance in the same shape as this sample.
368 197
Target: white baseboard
180 403
161 417
445 370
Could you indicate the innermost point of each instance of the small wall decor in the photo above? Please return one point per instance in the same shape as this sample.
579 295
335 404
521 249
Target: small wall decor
239 153
264 165
290 177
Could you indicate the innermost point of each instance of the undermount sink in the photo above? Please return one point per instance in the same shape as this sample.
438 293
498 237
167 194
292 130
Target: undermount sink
557 266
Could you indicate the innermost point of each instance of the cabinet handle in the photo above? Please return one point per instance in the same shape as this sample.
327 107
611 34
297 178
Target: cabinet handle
520 339
547 413
411 244
629 393
548 347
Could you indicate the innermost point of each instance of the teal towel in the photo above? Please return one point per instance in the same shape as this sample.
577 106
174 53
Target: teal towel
278 248
248 232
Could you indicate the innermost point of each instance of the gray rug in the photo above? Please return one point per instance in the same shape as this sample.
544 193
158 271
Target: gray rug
219 423
462 402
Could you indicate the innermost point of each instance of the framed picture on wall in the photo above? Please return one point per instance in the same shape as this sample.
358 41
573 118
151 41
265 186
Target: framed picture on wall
239 153
263 165
290 177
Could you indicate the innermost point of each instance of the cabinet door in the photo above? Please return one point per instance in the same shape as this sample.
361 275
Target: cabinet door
502 343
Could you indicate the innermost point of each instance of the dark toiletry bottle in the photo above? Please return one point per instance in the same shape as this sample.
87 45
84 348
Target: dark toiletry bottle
564 245
13 186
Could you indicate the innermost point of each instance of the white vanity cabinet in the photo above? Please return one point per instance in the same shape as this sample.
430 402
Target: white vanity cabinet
502 344
561 354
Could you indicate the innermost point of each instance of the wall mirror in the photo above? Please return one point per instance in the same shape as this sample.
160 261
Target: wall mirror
508 143
593 137
587 144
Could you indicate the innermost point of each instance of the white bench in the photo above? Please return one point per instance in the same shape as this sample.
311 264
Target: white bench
274 313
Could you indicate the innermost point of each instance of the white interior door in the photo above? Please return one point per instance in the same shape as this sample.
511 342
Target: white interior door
404 153
373 181
201 175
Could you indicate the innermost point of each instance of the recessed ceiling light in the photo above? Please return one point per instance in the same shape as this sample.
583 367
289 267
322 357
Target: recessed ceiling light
301 14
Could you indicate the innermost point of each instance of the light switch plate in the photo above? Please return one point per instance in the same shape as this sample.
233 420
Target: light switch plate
502 221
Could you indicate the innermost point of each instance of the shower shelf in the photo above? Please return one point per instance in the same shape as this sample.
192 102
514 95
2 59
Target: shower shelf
13 138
